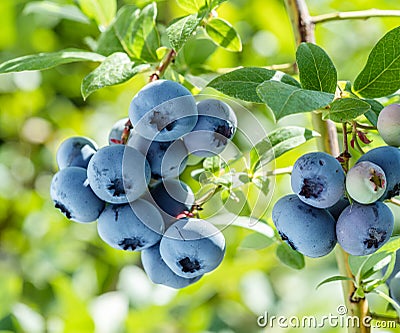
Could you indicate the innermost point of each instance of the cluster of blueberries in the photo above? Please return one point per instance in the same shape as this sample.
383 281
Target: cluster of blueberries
131 186
330 207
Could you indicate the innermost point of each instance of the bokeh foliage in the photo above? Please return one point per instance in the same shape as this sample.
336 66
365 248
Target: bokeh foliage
57 276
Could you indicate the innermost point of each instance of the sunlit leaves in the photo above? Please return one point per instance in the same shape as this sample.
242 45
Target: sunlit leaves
242 83
277 143
117 68
346 109
224 34
102 11
42 61
180 31
284 99
316 69
381 75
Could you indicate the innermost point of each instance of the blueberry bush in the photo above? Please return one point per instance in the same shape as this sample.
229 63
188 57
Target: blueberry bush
220 168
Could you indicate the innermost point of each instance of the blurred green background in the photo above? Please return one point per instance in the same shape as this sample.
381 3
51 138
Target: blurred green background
57 276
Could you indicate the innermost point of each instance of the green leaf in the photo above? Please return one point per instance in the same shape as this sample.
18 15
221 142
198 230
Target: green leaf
392 246
216 3
263 183
55 10
373 113
334 278
42 61
277 143
117 68
316 69
108 42
290 257
213 164
102 11
224 34
284 99
346 109
180 31
197 50
390 300
191 6
242 83
381 75
235 201
136 29
374 263
256 241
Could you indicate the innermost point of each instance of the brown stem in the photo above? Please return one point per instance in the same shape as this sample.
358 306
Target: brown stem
303 27
160 70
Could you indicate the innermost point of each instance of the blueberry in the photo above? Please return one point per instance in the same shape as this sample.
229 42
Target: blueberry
158 271
363 229
216 124
318 179
166 159
365 182
172 197
388 158
163 111
389 124
308 230
73 196
338 208
394 288
118 174
131 227
75 151
192 247
115 135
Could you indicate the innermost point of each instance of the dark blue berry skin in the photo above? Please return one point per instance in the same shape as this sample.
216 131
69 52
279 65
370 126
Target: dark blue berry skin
338 208
308 230
172 197
363 229
216 124
388 158
163 111
75 151
118 174
192 247
318 179
131 227
166 159
158 271
74 197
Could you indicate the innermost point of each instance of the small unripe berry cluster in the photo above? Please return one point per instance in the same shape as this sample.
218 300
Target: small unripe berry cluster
132 188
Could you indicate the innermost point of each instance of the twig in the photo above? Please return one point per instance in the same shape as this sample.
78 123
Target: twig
280 171
362 14
160 70
395 201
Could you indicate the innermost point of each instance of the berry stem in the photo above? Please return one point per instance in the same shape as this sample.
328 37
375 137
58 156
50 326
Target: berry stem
162 67
395 201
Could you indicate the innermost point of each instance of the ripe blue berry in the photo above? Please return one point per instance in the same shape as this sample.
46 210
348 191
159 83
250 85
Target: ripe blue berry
308 230
118 174
158 271
363 229
131 227
192 247
74 197
216 124
163 111
318 179
75 151
166 159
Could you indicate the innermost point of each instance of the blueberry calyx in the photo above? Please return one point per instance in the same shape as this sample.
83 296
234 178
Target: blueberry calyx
189 266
